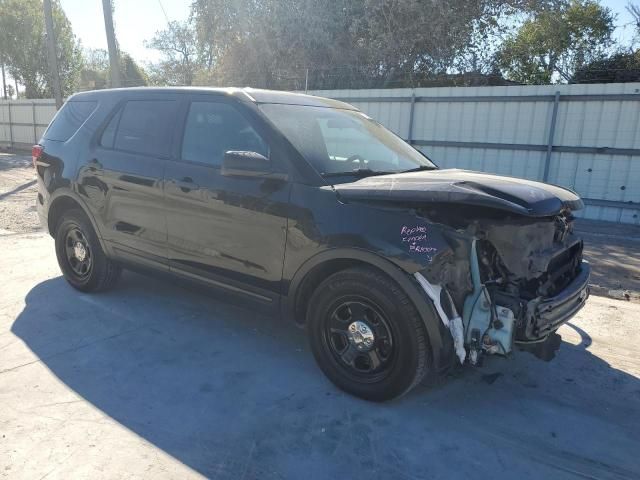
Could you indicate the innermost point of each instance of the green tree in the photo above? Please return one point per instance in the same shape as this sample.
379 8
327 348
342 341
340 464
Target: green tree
95 70
22 46
178 46
273 42
10 91
133 75
557 41
619 68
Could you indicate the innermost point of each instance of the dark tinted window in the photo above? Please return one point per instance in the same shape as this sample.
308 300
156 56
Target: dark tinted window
215 128
146 127
69 119
109 134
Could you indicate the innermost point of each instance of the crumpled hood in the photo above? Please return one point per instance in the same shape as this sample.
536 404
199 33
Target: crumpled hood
515 195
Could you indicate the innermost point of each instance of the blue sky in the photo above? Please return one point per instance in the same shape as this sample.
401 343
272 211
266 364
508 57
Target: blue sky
625 30
137 21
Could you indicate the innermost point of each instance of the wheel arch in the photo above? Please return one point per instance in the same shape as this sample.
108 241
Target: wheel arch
66 200
326 263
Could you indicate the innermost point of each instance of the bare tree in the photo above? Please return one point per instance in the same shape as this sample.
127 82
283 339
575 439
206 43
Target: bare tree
178 46
634 10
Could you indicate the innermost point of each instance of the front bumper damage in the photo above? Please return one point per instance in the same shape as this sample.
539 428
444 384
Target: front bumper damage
487 327
546 315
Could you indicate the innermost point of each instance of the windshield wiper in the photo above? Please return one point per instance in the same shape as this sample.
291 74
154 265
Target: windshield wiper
421 168
358 172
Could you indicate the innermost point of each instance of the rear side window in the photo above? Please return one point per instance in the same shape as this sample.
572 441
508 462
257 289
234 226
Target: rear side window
215 128
69 119
144 126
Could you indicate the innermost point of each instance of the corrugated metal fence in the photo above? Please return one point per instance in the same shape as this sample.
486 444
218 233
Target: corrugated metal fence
22 122
585 137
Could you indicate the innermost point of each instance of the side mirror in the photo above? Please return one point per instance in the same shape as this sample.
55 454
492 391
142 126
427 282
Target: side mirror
245 164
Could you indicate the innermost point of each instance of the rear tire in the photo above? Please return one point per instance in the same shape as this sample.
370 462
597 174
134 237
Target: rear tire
367 336
80 256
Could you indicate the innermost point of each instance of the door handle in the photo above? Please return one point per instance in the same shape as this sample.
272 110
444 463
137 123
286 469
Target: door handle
186 184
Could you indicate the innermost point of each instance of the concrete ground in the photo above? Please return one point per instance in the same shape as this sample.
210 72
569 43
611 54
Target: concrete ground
152 380
614 253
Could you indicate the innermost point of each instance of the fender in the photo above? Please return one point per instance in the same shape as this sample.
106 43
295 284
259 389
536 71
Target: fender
423 304
62 192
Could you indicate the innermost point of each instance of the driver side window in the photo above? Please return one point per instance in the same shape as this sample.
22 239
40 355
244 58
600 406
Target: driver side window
214 128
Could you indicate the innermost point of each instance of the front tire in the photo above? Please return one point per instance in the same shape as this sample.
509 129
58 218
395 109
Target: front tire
80 256
367 336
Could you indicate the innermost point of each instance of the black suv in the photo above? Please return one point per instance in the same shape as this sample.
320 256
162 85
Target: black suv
307 206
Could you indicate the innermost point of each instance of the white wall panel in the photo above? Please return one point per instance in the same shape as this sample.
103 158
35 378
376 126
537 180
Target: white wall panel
22 112
603 123
611 123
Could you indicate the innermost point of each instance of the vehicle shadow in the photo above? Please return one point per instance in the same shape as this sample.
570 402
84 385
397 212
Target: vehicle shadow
18 189
233 393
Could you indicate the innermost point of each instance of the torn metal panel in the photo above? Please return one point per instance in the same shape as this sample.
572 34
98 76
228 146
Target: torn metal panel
447 312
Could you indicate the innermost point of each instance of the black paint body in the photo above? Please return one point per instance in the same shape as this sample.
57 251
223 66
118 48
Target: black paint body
267 238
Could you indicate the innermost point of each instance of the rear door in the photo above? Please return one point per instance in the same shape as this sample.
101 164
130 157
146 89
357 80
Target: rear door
229 231
125 177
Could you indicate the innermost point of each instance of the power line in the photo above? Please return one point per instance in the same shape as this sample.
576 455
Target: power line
164 13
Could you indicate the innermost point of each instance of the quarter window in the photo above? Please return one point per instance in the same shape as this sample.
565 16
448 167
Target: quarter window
146 127
109 134
69 119
215 128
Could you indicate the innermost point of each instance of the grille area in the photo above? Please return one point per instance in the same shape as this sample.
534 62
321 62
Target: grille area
563 268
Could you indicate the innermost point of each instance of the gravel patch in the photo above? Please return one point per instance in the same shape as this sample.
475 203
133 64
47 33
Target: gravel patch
18 191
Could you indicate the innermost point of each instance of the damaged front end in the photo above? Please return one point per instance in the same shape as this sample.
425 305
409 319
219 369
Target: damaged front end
522 278
500 260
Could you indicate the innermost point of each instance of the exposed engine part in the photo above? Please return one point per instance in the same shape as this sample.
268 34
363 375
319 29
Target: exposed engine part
512 278
442 301
489 328
499 339
475 347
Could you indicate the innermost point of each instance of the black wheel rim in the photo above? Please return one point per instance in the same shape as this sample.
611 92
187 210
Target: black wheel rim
360 339
78 252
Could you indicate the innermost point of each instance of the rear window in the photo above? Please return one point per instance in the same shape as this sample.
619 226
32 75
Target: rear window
145 126
69 119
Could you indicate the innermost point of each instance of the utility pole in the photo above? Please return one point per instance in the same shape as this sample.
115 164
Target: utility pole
114 62
4 81
51 52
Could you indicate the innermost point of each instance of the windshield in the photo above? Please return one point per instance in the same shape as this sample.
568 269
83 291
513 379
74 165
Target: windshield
346 142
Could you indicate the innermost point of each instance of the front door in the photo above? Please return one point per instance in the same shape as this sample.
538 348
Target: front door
229 231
